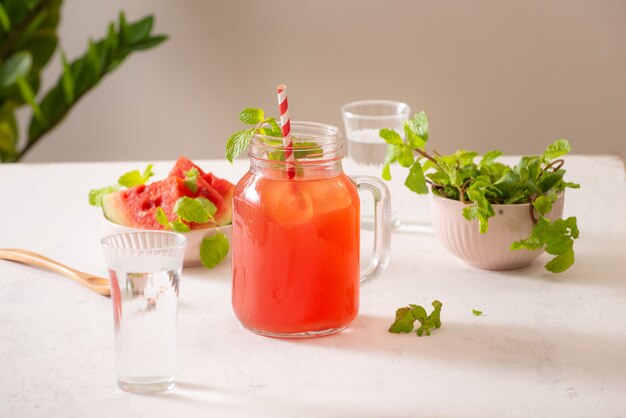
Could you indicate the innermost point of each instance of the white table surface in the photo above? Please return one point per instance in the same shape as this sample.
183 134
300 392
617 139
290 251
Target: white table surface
547 345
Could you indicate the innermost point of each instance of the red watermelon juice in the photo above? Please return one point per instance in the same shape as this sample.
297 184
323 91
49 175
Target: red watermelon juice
295 250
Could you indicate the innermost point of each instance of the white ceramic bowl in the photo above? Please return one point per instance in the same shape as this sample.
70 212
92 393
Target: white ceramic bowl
491 250
195 237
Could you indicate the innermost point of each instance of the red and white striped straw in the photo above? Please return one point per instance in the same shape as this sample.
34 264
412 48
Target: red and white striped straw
283 107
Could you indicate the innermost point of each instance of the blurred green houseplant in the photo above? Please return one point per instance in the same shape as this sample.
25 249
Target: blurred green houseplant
28 40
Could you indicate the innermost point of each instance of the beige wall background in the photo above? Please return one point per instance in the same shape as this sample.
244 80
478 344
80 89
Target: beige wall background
489 73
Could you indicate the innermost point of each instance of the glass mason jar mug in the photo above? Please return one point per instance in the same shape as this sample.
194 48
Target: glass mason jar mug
296 238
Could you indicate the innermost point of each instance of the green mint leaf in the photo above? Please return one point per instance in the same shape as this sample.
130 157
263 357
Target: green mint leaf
213 250
489 158
179 226
419 312
416 130
135 177
561 262
208 206
556 237
404 155
390 158
571 223
147 173
95 195
549 179
543 205
415 181
531 244
386 174
238 142
403 322
406 317
191 179
252 116
571 185
556 149
191 210
482 209
390 136
435 315
413 139
161 218
476 312
276 131
305 149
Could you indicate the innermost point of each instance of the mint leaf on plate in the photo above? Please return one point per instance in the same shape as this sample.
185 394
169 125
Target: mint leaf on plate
192 210
95 195
161 218
476 312
135 177
191 179
213 250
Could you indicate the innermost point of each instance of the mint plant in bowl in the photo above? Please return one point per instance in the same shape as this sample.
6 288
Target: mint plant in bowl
490 215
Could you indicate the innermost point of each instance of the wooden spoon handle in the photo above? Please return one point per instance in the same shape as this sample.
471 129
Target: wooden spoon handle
99 285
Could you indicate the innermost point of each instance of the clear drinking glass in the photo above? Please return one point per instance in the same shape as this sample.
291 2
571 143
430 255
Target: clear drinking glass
362 121
145 269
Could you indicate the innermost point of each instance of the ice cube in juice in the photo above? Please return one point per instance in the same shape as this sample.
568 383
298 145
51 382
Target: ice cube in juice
295 254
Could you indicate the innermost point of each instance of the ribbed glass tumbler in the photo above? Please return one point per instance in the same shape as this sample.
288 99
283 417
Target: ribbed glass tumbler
145 269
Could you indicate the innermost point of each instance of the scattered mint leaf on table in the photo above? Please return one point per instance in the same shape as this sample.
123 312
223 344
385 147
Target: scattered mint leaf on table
404 321
213 250
406 317
476 312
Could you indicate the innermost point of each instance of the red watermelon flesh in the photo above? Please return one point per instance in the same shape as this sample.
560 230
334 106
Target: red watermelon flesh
182 166
136 207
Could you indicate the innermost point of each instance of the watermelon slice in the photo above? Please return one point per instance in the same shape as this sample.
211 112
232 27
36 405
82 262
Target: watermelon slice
226 189
217 190
136 207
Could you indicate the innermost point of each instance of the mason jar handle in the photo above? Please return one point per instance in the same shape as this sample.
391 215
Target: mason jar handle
382 226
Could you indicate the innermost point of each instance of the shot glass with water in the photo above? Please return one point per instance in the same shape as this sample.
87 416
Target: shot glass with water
362 121
145 269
